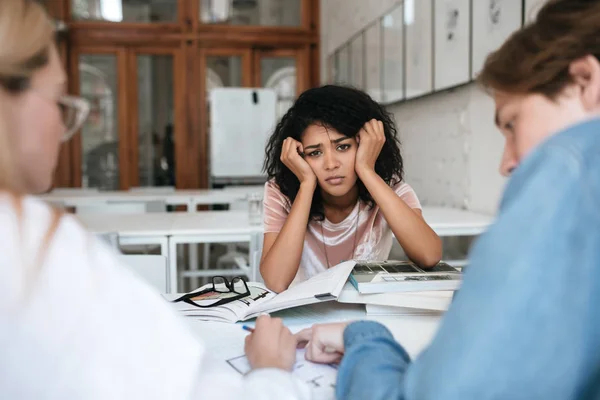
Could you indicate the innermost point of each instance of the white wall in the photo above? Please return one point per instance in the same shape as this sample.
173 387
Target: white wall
485 144
450 145
432 131
452 149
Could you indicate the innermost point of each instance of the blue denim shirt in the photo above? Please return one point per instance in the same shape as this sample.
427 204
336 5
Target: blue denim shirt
526 322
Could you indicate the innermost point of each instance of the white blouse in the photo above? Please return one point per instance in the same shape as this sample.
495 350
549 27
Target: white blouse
76 324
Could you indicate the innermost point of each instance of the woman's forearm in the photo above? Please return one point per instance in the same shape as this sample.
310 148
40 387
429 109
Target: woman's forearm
420 243
280 263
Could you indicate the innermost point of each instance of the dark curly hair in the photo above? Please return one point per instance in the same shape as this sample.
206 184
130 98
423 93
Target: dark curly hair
345 110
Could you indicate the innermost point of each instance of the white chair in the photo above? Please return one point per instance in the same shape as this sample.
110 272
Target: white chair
150 268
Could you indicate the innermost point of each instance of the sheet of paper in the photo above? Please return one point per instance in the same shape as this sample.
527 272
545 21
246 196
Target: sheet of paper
329 282
320 377
432 300
375 309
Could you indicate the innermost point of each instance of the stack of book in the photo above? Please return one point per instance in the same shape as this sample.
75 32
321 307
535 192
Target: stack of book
401 287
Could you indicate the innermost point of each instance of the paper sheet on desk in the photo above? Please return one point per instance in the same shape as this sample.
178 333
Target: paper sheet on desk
225 343
320 377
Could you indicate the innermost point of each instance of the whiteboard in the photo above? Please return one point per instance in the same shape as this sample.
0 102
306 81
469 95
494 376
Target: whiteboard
242 120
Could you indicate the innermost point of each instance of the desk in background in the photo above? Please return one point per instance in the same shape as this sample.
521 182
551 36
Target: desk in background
455 222
191 198
234 226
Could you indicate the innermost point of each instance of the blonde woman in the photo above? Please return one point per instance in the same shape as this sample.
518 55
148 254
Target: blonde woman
74 324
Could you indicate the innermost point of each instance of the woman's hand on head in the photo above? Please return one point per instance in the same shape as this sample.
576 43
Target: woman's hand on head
371 139
324 343
291 157
271 345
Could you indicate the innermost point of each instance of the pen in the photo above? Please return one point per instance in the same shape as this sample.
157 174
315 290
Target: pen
247 328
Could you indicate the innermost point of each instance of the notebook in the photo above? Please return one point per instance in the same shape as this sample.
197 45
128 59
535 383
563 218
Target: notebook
403 276
374 309
439 300
325 286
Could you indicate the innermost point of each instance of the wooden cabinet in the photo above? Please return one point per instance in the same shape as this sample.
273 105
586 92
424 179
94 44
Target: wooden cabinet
146 67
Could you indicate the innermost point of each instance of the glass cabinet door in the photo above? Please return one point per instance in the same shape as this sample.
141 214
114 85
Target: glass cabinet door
343 70
99 136
278 13
155 136
278 71
144 11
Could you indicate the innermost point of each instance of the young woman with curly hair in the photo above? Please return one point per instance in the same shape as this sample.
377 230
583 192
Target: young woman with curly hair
335 189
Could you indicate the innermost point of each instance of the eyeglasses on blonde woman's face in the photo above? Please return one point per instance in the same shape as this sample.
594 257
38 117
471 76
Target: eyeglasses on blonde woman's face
41 118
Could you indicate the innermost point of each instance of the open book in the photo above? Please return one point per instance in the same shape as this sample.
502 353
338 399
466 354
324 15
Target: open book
323 287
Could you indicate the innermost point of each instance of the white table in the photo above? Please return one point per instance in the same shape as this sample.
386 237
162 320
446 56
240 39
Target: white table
444 221
234 226
190 198
455 222
223 341
449 222
133 229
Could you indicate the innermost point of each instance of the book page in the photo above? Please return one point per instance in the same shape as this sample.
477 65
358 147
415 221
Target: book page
324 286
230 312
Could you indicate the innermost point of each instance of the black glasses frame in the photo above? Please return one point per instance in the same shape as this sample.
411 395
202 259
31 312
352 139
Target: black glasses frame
230 285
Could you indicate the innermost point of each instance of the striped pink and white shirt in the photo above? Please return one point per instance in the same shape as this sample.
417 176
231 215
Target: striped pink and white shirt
363 235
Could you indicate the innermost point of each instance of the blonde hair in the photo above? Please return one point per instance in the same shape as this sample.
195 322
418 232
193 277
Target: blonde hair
26 34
